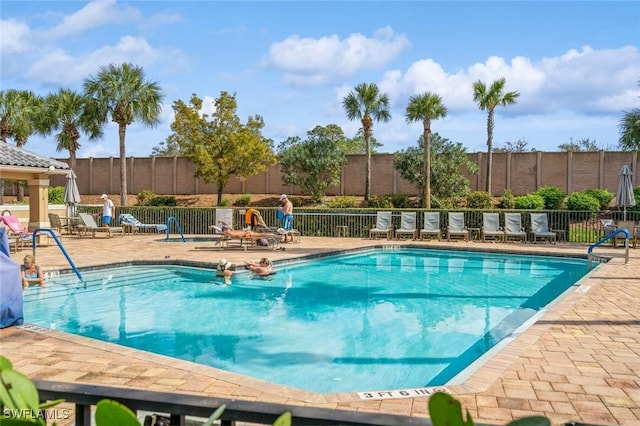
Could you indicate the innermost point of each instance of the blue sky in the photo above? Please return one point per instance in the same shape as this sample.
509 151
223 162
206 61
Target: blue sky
576 64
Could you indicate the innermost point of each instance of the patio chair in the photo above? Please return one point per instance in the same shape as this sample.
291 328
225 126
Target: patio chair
131 223
491 227
513 227
56 223
383 225
456 227
431 226
407 226
630 226
540 228
89 225
19 232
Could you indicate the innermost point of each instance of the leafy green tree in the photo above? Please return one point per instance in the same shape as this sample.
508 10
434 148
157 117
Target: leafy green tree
219 145
122 91
69 113
357 144
448 159
488 98
167 148
367 104
630 129
582 145
314 164
425 108
518 146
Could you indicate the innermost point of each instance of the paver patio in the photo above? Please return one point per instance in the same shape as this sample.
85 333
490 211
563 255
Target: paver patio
580 361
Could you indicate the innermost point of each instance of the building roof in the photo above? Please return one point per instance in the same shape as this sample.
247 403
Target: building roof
11 155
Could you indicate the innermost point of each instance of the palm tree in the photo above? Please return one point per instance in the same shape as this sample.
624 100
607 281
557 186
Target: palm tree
630 129
18 112
366 104
426 107
489 99
70 113
123 91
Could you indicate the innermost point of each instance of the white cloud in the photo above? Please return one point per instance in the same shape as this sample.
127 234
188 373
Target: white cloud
15 37
58 67
587 81
310 61
93 15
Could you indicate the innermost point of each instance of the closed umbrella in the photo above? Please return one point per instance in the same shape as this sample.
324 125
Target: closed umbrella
624 196
71 194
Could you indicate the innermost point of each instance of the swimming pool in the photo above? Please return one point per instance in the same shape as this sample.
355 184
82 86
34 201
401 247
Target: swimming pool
369 320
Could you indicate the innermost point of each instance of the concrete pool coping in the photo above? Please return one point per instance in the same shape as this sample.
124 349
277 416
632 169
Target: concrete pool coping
577 362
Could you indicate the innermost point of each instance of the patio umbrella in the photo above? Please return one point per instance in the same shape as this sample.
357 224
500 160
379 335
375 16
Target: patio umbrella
71 194
624 196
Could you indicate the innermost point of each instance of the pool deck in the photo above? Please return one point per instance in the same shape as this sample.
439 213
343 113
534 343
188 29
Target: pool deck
580 361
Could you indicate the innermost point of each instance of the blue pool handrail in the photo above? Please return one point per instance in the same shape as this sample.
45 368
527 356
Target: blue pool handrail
174 220
59 243
606 238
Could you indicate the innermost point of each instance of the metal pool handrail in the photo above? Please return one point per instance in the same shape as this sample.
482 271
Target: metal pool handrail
174 220
607 238
55 238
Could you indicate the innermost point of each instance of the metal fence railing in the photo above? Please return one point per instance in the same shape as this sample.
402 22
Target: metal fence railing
577 226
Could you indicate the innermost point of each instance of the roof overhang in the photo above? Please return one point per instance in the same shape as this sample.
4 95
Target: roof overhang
25 172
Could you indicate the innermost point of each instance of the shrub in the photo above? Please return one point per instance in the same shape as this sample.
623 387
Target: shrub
163 200
56 195
400 201
580 201
603 196
508 200
529 202
144 197
224 202
479 200
343 202
552 195
380 202
636 193
243 200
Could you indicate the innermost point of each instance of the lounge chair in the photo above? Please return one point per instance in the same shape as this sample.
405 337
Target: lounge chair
513 227
540 228
407 225
383 226
491 227
130 222
431 226
457 227
17 230
89 225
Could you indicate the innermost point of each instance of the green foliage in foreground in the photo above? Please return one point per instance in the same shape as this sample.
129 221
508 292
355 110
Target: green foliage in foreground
19 397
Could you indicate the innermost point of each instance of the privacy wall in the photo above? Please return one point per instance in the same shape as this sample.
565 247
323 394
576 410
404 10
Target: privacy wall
520 172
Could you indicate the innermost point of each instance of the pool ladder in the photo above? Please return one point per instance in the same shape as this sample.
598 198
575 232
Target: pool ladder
591 257
174 220
52 234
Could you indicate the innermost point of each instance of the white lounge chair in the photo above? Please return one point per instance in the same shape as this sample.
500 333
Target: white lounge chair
540 228
491 227
513 227
130 222
456 227
431 226
89 225
407 225
383 225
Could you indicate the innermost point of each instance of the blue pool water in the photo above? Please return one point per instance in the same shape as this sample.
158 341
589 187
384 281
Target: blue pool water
372 320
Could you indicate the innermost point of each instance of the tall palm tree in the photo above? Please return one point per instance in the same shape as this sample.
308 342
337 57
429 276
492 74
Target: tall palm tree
123 91
630 129
426 107
69 113
488 99
367 104
18 112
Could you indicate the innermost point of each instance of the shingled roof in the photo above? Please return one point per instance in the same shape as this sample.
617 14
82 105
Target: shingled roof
11 155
